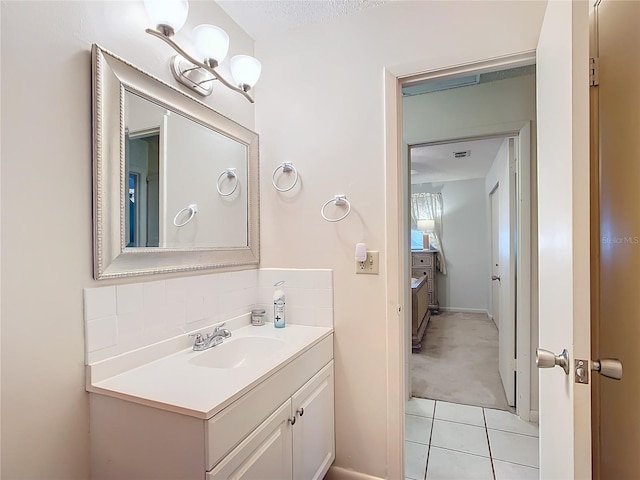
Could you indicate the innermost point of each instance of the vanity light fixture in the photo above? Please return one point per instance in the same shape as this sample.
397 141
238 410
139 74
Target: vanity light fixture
211 43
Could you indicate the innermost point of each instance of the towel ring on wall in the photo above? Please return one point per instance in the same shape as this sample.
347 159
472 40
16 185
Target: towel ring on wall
338 200
193 209
229 173
286 168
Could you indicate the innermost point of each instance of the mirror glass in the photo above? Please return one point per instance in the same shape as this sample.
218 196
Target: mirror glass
172 162
175 183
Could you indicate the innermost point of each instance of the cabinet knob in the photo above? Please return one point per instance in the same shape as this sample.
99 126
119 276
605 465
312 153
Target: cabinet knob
300 411
292 421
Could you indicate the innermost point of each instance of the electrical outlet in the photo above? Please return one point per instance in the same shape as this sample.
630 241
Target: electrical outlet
370 265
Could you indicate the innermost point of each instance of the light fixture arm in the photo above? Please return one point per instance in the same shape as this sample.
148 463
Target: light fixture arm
204 66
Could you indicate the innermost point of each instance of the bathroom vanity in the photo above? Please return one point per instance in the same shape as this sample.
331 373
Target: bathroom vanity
260 405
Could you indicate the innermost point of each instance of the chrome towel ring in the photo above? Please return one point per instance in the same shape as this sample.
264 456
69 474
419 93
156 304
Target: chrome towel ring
229 173
193 209
338 200
286 168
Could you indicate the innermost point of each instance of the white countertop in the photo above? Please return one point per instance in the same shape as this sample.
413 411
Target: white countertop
173 383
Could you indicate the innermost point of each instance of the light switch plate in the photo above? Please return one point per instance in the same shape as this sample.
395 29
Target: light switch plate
370 265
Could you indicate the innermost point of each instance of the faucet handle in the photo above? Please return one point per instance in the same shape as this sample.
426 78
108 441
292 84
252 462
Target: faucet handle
198 338
225 332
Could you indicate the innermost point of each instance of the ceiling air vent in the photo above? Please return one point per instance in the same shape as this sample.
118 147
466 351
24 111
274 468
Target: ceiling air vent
462 154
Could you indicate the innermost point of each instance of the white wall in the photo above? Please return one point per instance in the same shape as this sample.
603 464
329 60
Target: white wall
221 221
469 111
320 104
465 287
46 212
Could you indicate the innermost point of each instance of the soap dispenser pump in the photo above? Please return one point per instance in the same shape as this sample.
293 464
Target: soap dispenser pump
278 305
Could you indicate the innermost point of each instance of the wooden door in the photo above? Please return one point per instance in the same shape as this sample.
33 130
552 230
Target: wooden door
617 320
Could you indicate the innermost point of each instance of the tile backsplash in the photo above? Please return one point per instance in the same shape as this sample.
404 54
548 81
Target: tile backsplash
121 318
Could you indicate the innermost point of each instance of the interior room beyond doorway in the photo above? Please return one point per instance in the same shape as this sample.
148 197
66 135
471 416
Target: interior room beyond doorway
457 356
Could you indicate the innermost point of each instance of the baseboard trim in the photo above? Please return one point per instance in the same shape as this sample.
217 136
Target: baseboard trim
534 416
466 310
339 473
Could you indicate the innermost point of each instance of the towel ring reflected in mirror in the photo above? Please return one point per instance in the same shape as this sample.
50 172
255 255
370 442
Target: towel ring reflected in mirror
192 209
229 173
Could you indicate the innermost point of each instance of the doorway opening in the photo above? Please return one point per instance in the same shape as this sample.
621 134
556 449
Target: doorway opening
456 343
469 185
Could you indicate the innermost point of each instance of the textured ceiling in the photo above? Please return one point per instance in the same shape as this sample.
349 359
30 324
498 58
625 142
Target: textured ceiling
262 19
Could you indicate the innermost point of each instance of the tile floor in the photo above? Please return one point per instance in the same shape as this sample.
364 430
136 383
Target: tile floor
451 441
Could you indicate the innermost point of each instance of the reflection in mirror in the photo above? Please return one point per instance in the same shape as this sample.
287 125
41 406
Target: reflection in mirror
175 183
142 171
173 162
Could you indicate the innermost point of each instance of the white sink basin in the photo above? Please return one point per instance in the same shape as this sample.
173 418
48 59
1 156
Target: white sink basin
238 352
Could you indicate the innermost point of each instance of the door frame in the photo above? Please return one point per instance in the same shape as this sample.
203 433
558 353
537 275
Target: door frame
397 221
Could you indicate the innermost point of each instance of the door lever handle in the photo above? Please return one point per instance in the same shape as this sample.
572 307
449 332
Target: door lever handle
547 359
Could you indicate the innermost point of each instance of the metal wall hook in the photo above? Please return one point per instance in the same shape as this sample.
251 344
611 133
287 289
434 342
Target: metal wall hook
338 201
229 173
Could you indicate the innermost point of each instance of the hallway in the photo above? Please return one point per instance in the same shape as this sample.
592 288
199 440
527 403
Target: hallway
459 361
452 441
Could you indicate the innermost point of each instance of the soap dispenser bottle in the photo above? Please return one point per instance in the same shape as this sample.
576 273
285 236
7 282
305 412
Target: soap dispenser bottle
278 305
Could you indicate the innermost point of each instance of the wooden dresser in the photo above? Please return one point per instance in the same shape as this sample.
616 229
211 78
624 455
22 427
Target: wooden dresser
424 263
424 294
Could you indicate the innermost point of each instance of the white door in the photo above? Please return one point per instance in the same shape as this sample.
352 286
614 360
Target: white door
563 236
507 283
495 266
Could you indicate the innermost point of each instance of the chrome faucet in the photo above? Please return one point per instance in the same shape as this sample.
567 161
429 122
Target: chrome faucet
208 340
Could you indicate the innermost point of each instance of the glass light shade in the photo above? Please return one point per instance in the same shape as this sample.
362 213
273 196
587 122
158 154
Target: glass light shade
167 12
245 70
211 42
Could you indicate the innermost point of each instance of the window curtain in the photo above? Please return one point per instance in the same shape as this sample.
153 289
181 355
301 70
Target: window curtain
428 206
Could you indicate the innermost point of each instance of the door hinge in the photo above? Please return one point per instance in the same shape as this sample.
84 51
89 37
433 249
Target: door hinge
594 64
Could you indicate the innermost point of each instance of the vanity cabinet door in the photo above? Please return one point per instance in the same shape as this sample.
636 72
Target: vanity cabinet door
264 455
313 431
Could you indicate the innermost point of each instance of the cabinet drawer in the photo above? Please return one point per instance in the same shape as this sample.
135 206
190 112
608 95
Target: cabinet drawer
227 429
422 259
417 272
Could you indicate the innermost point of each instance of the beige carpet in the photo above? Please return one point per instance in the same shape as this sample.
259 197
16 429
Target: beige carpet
459 361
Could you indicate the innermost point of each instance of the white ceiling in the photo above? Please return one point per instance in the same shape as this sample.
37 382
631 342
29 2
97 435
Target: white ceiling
262 19
436 164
